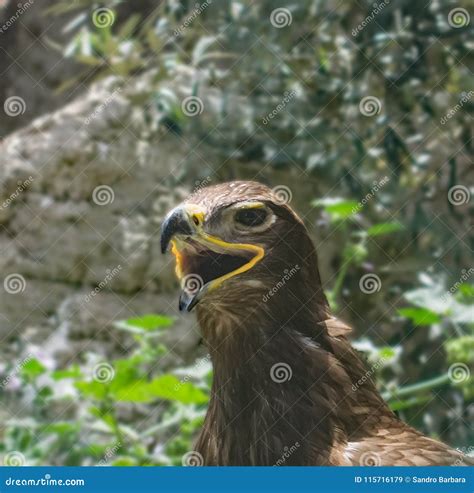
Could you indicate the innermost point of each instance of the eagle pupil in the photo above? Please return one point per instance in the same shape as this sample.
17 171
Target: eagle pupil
251 217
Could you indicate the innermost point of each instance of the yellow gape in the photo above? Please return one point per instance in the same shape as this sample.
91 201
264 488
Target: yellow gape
259 254
197 217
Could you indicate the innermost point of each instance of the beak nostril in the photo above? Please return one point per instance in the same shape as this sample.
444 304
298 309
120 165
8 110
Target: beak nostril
196 220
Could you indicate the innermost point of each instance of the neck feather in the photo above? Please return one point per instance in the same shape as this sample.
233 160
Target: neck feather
282 390
272 397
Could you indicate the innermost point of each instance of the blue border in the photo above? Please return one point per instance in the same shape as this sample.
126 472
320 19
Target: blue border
238 479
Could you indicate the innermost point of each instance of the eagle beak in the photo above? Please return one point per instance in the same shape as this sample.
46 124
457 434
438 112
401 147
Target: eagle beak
176 223
181 222
203 261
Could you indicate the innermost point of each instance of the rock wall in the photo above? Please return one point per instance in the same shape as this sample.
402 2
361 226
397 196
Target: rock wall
82 194
81 199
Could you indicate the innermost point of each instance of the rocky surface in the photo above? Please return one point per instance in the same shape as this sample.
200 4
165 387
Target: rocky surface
82 194
80 209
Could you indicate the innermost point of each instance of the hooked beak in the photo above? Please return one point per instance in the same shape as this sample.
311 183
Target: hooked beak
203 262
175 223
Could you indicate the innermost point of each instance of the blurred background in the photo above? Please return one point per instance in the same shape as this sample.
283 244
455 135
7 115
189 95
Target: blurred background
358 113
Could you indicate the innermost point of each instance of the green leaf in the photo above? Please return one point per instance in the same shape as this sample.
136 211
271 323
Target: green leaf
337 208
169 387
96 450
420 316
466 293
387 352
166 387
384 228
124 461
60 427
93 389
109 420
32 369
146 323
72 372
126 372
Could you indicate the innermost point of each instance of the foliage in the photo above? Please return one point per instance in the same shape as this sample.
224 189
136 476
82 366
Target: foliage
122 411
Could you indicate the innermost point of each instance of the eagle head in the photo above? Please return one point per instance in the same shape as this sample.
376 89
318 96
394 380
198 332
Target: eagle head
284 371
236 246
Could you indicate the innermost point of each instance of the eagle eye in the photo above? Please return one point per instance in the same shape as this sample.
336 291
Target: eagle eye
251 217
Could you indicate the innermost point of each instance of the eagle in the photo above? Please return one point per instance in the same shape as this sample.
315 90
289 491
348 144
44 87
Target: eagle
288 388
